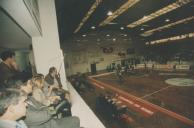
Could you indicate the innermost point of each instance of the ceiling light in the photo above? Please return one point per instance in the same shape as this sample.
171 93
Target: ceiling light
142 29
93 27
189 35
171 7
107 35
122 28
150 32
84 35
114 39
167 20
89 13
125 35
118 12
109 13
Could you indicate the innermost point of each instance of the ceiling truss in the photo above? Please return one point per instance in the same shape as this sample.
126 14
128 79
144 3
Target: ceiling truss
171 7
119 11
165 40
150 32
89 13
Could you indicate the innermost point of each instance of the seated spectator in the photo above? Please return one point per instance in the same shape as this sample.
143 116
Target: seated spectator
38 94
53 87
12 109
9 72
53 84
40 116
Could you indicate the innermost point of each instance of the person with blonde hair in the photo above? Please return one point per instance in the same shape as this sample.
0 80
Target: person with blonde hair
37 91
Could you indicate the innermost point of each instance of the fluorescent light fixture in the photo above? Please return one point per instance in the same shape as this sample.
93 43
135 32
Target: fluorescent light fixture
150 32
107 35
122 28
93 27
118 12
89 13
84 35
109 13
171 7
167 20
165 40
142 29
125 35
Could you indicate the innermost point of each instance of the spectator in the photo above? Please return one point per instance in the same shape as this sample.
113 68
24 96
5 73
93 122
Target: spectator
53 84
9 72
53 87
40 116
12 108
38 94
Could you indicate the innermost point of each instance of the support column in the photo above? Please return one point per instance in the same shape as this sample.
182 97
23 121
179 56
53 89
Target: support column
46 48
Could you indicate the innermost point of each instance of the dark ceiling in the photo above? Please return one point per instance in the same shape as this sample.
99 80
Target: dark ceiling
71 12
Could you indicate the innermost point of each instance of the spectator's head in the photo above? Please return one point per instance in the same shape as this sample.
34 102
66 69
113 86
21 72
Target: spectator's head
12 104
37 81
27 88
53 71
8 58
7 55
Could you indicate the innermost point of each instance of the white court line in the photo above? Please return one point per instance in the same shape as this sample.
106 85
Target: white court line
104 74
155 92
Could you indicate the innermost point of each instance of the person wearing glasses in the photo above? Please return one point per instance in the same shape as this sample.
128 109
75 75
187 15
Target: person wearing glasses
12 109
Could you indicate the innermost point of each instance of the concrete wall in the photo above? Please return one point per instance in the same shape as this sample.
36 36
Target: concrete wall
47 51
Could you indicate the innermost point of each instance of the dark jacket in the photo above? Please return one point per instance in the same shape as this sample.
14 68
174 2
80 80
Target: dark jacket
8 76
39 116
50 80
37 113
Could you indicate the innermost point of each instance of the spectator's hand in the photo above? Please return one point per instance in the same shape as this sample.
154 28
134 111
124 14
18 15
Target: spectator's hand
14 65
27 88
54 87
54 98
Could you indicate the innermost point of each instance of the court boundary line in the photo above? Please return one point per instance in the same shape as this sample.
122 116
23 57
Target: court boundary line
145 96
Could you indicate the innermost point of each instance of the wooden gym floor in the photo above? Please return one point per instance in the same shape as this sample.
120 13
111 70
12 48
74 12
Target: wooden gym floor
151 87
